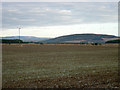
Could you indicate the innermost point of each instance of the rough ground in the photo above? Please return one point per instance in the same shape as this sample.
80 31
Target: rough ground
60 66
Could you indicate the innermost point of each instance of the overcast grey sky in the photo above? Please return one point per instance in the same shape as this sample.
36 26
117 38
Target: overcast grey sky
56 19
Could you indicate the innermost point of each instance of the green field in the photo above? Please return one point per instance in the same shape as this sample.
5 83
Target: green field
60 66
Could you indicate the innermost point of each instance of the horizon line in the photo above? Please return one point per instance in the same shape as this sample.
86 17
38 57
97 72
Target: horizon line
60 35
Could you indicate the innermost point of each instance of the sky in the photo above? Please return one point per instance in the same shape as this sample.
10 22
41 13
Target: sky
53 19
59 0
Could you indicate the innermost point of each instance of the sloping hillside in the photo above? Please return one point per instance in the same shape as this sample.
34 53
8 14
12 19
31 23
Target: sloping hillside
82 38
113 41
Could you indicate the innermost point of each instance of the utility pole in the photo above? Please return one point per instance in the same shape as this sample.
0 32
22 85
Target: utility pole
19 34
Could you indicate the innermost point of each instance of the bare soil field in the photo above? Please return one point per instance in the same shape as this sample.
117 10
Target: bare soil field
60 66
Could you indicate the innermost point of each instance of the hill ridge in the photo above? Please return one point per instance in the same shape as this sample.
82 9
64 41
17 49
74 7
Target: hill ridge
82 38
26 38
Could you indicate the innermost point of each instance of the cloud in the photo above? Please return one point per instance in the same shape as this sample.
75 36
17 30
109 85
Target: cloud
60 0
65 12
54 14
12 10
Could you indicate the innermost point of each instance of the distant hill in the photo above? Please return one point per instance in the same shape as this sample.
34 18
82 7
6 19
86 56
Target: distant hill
26 38
82 38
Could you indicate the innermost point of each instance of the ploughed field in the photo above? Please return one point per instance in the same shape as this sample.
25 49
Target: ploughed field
60 66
